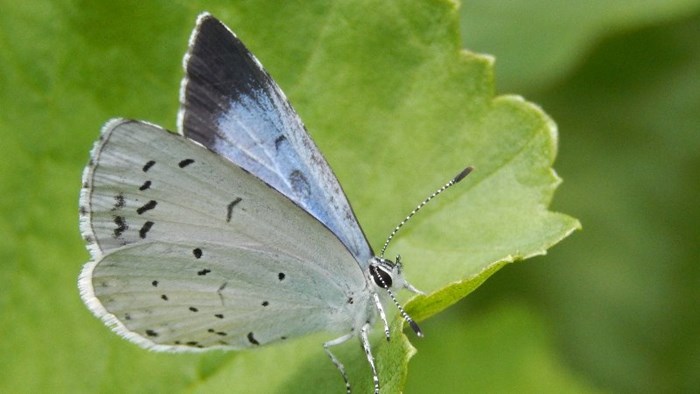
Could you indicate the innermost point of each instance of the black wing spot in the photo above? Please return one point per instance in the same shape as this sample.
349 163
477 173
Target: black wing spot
145 229
280 276
265 303
146 185
193 309
119 201
148 165
219 316
164 297
252 339
121 226
230 208
147 207
197 252
151 333
219 333
279 140
185 163
203 272
219 292
300 185
154 283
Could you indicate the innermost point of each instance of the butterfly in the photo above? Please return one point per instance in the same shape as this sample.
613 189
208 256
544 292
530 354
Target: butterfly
234 233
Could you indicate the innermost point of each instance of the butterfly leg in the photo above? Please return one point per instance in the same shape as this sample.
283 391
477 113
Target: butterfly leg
382 315
412 289
364 337
335 360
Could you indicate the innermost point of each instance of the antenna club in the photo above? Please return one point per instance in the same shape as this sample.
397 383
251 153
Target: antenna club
463 174
416 329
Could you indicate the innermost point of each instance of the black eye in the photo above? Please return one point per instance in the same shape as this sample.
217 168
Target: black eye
381 276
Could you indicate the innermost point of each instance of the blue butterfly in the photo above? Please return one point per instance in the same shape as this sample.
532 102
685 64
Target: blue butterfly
233 234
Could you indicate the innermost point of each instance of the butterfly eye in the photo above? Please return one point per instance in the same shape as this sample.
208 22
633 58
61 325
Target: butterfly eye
381 274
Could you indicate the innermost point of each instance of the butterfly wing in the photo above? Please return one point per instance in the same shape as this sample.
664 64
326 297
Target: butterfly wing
231 105
190 251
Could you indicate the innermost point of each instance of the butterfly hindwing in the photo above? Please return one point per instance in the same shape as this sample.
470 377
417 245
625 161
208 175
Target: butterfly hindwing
231 105
162 296
190 251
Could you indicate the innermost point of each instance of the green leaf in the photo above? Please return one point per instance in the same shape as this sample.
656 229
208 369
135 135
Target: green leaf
385 90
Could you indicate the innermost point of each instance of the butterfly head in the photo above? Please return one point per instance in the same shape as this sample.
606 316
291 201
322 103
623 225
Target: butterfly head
387 274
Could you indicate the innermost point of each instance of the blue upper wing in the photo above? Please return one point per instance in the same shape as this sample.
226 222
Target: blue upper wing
231 105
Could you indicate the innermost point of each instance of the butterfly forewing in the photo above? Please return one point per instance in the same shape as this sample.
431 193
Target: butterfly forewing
232 106
190 251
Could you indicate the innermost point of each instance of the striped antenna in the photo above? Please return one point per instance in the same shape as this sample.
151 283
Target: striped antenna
454 180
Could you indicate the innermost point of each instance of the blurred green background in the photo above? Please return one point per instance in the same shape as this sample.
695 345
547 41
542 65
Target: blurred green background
613 308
